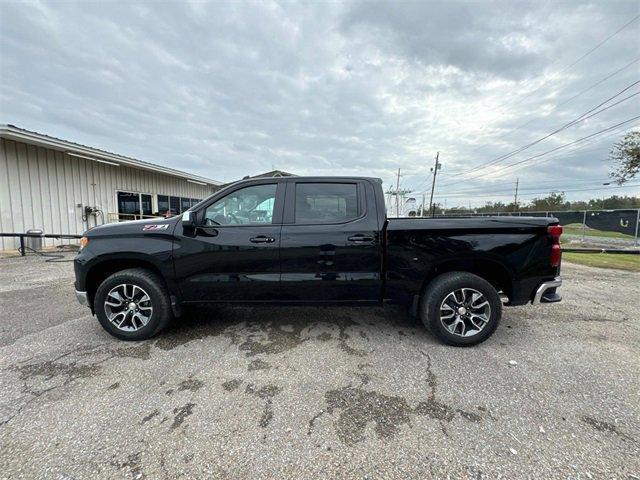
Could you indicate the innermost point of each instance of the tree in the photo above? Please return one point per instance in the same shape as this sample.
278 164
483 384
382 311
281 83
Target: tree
555 201
626 156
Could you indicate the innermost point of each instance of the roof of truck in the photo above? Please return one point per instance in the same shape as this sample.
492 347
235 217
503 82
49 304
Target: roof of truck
295 178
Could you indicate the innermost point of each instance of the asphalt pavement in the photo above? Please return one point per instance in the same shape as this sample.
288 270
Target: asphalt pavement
319 392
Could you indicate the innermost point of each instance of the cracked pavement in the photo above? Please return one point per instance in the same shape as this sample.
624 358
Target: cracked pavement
318 392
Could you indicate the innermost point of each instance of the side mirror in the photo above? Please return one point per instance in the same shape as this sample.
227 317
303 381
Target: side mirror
188 219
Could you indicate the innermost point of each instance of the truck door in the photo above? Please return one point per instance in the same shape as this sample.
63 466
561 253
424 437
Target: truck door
329 247
232 254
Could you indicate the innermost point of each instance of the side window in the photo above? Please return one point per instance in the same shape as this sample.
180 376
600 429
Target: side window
247 206
326 202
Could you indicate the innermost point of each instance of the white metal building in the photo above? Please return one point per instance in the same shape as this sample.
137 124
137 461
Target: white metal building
62 187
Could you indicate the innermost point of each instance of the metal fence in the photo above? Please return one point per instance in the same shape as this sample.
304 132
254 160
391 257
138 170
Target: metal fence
605 226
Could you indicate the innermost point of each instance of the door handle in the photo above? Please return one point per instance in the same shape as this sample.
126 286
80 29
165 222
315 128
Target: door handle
262 239
359 238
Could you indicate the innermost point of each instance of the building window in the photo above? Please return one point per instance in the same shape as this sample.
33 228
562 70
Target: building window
133 206
163 204
145 204
128 205
177 205
174 205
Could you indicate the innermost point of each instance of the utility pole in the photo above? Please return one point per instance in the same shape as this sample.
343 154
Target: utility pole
398 195
422 209
435 169
515 200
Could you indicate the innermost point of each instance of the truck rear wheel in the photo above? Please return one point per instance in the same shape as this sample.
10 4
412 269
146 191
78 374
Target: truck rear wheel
461 309
133 304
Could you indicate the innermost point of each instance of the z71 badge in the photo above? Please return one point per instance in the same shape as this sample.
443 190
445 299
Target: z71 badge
155 227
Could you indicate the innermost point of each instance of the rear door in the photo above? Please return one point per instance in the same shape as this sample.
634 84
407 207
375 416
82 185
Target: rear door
329 247
232 254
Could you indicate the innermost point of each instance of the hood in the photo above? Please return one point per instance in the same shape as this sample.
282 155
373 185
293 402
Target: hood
146 226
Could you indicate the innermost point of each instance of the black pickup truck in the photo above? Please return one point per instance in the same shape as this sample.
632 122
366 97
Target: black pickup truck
317 240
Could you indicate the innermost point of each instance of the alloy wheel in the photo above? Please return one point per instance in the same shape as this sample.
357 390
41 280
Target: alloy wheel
128 307
465 312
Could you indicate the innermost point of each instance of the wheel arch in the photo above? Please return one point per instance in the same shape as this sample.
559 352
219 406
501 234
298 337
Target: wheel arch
106 267
495 272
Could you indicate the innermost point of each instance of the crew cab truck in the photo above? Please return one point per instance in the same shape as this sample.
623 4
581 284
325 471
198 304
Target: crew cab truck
317 240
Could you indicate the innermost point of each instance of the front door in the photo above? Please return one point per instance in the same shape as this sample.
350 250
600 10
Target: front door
329 247
233 252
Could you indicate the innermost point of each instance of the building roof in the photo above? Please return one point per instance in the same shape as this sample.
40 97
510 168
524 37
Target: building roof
274 173
11 132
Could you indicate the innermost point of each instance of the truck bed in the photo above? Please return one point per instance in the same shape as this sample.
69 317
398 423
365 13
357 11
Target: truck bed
513 252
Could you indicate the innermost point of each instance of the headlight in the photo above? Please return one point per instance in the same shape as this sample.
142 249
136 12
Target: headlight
84 241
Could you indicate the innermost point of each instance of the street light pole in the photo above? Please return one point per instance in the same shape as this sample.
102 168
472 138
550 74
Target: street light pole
607 183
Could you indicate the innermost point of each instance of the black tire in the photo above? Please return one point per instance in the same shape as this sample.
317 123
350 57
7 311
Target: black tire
153 285
440 288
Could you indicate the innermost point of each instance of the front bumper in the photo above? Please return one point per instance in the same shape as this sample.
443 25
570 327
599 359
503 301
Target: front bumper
82 297
546 292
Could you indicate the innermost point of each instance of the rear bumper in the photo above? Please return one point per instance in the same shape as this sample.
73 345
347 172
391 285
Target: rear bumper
546 292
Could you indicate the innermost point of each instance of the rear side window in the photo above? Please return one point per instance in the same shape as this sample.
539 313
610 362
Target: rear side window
326 202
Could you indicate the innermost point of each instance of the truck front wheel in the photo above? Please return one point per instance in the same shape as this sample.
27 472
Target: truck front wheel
460 308
133 304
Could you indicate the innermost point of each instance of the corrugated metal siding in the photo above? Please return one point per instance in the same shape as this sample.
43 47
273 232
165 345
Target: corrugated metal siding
40 188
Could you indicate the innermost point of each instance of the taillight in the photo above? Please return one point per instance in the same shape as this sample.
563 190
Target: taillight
554 232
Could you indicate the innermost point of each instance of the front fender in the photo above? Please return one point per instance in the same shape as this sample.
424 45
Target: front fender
104 256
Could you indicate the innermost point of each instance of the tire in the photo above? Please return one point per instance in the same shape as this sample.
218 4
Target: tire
112 304
441 311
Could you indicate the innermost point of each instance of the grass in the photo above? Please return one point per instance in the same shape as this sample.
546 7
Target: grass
604 260
576 229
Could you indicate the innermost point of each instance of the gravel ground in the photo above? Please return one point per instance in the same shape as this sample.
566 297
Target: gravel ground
319 392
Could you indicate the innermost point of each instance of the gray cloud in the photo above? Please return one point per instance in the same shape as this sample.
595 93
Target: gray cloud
230 89
484 38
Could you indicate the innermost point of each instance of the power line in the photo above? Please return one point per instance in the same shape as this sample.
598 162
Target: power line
600 132
398 192
576 150
613 132
506 187
490 195
588 114
597 83
571 124
590 87
568 67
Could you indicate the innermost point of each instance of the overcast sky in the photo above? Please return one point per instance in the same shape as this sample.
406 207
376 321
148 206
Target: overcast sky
226 90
